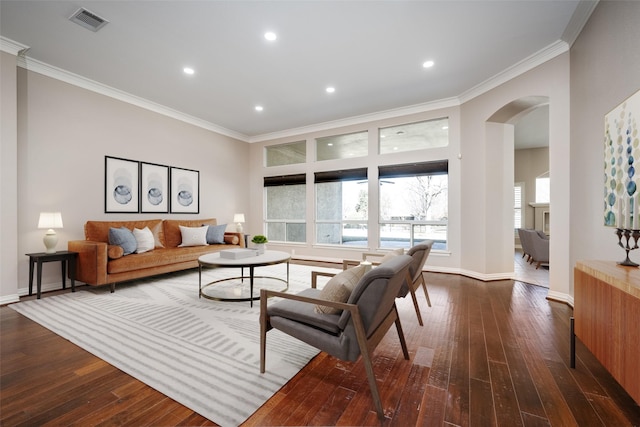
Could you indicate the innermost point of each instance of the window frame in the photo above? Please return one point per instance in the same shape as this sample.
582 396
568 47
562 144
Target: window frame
281 181
408 170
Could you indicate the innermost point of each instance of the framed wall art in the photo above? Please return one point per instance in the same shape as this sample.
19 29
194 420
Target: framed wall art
185 191
154 188
621 161
121 185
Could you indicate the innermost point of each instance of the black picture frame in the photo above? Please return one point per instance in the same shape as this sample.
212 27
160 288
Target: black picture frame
121 185
185 191
154 188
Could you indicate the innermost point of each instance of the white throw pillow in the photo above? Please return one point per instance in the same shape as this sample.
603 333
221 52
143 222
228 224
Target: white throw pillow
193 236
145 240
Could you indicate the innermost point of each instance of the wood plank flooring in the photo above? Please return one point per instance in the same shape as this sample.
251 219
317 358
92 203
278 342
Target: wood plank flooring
489 354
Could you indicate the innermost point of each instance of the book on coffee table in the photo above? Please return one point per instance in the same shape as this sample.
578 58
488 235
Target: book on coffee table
238 253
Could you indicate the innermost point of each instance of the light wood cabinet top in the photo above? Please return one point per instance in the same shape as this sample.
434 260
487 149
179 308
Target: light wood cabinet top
627 279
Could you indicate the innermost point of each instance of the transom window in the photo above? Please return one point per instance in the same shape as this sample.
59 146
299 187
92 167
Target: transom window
342 146
414 136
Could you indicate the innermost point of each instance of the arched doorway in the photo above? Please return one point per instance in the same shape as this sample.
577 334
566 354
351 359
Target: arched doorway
529 119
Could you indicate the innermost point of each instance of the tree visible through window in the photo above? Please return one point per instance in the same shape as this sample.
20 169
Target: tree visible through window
413 204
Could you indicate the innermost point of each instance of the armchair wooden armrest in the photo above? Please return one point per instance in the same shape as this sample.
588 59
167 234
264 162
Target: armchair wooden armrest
314 277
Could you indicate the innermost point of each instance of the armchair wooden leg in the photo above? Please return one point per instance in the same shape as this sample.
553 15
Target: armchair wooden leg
264 327
424 287
416 306
403 342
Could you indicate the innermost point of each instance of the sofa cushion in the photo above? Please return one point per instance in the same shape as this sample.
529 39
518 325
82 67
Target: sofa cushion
215 234
124 238
159 257
144 239
158 235
172 235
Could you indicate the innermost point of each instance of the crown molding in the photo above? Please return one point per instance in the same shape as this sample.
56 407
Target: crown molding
510 73
548 53
11 46
578 20
88 84
356 120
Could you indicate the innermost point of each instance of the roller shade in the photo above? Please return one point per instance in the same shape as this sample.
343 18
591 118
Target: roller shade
438 167
341 175
273 181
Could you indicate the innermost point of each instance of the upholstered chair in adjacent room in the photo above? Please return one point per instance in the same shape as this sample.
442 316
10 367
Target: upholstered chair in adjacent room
344 328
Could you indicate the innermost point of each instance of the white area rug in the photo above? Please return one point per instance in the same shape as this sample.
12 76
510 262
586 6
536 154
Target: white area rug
204 354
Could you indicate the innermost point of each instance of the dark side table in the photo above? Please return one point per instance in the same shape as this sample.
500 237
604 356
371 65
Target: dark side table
67 258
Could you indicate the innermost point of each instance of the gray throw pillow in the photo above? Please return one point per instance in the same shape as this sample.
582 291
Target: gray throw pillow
215 234
124 238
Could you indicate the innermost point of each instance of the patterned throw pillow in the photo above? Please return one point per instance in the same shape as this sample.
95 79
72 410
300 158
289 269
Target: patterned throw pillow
339 288
123 237
144 239
193 236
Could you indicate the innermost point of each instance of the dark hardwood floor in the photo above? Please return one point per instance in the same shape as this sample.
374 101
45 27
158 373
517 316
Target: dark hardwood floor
493 353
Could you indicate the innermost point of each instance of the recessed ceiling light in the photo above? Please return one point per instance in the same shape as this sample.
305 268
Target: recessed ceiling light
445 127
330 89
271 36
330 144
188 70
259 108
428 64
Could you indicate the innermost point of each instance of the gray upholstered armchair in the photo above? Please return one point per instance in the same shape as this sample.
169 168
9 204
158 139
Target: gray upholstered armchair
354 330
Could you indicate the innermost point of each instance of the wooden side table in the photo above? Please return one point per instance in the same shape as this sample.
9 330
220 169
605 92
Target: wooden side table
67 258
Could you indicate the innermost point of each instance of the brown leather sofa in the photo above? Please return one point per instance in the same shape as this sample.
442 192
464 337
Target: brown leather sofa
102 264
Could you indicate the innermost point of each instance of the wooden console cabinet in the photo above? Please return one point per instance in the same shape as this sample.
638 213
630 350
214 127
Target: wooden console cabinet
607 318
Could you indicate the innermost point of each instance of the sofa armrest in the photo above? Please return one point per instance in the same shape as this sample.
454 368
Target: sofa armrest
228 235
91 266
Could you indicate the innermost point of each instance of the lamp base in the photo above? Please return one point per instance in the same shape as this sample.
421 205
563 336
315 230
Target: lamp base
50 241
239 227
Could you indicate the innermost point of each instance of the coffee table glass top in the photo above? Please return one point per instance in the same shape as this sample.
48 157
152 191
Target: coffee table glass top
241 288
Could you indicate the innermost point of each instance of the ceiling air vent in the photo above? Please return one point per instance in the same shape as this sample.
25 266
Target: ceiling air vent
88 20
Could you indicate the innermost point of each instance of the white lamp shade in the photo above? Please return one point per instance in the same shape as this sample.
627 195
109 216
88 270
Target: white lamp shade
238 217
50 220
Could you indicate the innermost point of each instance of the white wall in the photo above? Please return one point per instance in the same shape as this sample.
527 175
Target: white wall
65 131
605 70
8 176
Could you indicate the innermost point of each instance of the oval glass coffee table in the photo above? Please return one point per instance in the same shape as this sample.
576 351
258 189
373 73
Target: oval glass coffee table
214 260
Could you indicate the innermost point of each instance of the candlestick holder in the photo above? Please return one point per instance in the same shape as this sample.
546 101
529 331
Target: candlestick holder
626 235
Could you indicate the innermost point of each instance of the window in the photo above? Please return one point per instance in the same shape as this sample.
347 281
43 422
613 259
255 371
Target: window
286 208
518 192
414 204
342 146
414 136
286 154
342 207
543 188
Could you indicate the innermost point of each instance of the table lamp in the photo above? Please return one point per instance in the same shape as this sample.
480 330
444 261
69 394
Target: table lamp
50 220
238 219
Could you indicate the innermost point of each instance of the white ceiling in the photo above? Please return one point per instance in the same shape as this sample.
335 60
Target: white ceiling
370 51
